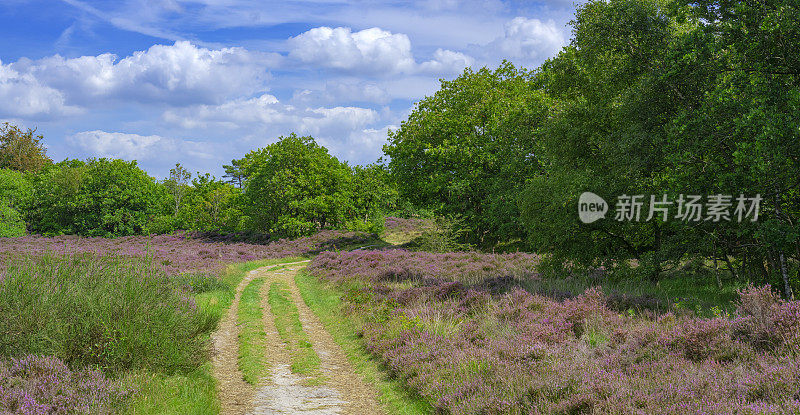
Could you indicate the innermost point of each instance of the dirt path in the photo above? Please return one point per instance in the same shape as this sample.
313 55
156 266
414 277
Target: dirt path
233 392
284 392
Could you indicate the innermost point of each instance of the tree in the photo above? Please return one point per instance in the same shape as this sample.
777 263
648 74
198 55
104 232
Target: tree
98 197
211 205
234 173
468 150
177 185
294 187
21 150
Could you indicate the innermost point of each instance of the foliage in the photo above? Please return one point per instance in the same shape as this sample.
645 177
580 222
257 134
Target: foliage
11 223
468 149
44 385
294 187
99 197
106 312
670 98
177 185
473 345
211 205
21 150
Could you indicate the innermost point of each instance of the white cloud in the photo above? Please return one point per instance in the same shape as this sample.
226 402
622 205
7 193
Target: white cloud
134 146
266 112
22 95
178 74
260 121
447 61
339 91
370 51
526 41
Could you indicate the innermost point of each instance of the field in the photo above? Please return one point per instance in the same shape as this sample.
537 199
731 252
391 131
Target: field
123 325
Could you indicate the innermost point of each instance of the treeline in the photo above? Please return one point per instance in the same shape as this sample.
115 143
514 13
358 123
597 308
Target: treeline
287 189
649 98
652 98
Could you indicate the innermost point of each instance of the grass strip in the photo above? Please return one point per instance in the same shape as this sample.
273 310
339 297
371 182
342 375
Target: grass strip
325 301
195 392
252 338
304 360
159 394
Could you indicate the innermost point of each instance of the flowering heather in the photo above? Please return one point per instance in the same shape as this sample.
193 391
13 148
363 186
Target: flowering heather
34 385
396 265
470 349
180 252
405 225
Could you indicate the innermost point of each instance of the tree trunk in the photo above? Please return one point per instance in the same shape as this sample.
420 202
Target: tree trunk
786 287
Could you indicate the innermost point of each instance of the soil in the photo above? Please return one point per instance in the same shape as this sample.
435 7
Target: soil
283 392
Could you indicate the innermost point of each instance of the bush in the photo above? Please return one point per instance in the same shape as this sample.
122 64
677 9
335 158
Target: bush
111 313
45 385
99 197
11 223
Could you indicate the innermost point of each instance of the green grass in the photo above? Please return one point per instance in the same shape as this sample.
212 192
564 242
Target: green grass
325 301
112 313
158 394
304 360
235 272
192 393
698 294
252 338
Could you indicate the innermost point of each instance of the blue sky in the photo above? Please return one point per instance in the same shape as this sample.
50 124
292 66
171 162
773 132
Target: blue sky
203 81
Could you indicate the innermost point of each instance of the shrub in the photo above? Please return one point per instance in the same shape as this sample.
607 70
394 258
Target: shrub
11 223
111 313
35 385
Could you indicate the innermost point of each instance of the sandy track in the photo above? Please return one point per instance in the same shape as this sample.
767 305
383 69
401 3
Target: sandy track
284 392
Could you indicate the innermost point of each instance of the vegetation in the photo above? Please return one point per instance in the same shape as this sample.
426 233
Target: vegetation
326 303
304 360
473 342
252 339
21 150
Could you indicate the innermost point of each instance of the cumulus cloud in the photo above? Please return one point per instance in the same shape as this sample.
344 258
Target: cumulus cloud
447 61
347 130
527 41
370 51
178 74
134 146
22 95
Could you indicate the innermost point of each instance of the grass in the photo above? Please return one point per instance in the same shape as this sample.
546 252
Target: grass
325 301
192 393
697 294
110 313
304 360
159 394
252 339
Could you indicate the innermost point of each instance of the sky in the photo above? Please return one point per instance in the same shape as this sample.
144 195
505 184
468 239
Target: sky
201 82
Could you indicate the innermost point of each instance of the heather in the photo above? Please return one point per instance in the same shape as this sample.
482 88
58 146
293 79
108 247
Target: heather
46 386
180 252
453 328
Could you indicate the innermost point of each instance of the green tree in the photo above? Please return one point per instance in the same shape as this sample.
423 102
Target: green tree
468 150
211 205
177 185
98 197
21 150
294 187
